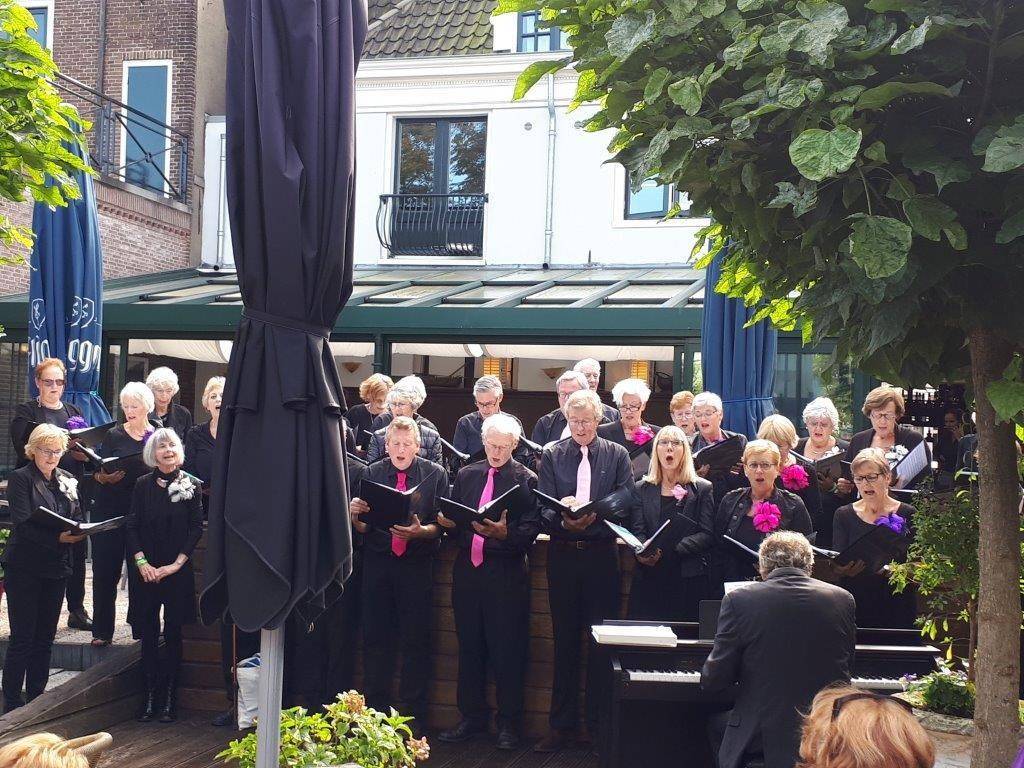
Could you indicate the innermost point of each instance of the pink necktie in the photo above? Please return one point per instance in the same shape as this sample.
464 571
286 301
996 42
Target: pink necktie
583 477
476 549
398 545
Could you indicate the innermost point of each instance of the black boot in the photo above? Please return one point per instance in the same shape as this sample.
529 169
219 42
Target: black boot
149 702
169 713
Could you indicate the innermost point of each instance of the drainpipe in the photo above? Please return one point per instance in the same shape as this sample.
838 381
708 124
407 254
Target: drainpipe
101 58
549 204
102 142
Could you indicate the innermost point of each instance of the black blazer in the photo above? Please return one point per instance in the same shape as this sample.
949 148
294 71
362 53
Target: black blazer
33 546
905 436
178 418
780 641
32 411
692 550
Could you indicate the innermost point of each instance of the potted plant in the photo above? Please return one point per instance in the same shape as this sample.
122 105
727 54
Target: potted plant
346 733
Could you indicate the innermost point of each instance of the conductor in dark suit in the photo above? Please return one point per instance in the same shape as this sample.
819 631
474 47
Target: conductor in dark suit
780 641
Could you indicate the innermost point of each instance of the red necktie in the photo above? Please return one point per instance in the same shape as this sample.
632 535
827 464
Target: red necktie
398 545
476 550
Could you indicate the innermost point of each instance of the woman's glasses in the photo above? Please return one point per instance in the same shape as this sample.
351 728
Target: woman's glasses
862 479
670 443
53 453
51 383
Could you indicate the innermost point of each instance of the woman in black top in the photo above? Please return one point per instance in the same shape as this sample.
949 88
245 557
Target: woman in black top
113 499
37 562
821 420
877 605
748 515
163 528
630 430
201 440
163 382
793 476
372 391
669 583
49 408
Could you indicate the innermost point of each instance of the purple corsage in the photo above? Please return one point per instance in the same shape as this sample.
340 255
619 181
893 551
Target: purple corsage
893 522
76 422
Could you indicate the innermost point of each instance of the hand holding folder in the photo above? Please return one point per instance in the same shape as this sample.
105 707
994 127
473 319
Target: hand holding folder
874 550
611 506
388 506
464 516
59 522
721 456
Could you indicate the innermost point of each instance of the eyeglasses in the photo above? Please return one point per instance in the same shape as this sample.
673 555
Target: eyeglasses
823 424
883 417
486 405
686 414
764 466
51 452
842 701
630 408
52 382
581 422
162 390
861 479
705 414
670 443
494 447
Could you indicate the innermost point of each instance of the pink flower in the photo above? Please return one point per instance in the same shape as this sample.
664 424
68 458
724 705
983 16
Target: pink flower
679 492
767 516
794 478
643 435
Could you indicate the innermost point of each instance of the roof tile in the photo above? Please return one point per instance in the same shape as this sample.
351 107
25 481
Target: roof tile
429 28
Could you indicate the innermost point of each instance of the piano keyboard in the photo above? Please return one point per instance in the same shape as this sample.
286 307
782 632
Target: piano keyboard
692 677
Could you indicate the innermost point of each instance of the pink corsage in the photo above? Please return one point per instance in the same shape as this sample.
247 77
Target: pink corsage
893 522
767 517
679 492
794 478
642 435
76 422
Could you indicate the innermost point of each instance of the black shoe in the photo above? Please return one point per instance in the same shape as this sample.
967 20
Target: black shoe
464 731
149 702
224 719
507 738
78 618
169 712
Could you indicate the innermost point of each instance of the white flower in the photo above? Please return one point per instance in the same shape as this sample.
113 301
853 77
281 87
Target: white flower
182 489
895 454
68 486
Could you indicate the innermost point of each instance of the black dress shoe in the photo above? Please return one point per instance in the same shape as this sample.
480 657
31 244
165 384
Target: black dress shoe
149 706
79 619
464 731
224 719
169 710
507 738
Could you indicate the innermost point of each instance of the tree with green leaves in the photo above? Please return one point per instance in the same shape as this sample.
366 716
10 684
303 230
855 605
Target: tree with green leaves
35 127
863 164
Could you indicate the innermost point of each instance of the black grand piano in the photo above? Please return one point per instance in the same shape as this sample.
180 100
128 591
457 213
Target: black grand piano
656 713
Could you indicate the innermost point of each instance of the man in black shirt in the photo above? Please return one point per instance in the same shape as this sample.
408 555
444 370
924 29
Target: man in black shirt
552 427
491 585
583 565
397 578
591 369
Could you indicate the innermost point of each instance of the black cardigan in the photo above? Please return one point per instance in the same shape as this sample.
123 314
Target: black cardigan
905 436
34 547
692 550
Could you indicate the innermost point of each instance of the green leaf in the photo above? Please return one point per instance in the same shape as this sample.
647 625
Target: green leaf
1012 228
945 169
876 152
1006 151
710 8
882 95
749 5
686 93
818 154
628 33
745 45
880 245
928 215
1007 397
825 20
912 38
655 84
529 76
792 94
803 199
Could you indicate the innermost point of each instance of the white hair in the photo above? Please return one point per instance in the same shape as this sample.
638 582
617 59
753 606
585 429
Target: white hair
585 399
140 393
586 363
490 384
414 383
821 408
162 376
635 387
503 424
708 398
164 434
404 394
576 376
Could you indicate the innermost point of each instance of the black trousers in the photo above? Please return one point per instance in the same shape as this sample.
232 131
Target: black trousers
75 590
397 596
583 589
108 559
34 607
343 630
146 624
492 620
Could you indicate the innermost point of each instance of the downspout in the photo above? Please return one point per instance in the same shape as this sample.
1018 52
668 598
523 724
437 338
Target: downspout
101 58
101 130
549 205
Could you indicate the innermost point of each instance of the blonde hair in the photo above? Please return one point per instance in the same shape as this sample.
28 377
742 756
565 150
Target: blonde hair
215 382
680 400
584 400
687 474
873 457
377 385
761 447
403 424
867 732
778 429
879 397
45 433
50 362
41 750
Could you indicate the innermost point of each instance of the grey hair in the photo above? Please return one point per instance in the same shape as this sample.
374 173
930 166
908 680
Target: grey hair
587 362
136 390
162 375
584 399
414 383
161 435
576 376
708 398
821 408
636 387
503 424
785 549
403 424
490 384
405 394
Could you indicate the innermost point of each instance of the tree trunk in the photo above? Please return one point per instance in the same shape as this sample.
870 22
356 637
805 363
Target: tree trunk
996 718
972 639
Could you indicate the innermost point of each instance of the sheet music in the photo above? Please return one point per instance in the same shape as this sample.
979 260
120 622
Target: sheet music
912 465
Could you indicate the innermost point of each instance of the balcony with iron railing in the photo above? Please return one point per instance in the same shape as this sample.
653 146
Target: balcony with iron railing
129 145
432 225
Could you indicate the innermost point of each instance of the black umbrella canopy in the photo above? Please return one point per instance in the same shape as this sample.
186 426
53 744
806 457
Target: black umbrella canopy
279 532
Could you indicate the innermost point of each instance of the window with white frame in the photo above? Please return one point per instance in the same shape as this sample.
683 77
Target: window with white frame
42 12
653 200
145 137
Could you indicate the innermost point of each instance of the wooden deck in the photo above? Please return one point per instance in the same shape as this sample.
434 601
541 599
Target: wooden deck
193 743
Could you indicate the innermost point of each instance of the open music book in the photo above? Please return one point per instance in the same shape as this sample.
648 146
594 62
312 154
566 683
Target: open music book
911 465
388 506
464 515
53 520
876 549
721 456
829 467
610 506
662 538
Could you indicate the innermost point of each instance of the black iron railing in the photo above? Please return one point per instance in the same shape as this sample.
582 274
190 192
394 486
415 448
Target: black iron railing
129 145
432 225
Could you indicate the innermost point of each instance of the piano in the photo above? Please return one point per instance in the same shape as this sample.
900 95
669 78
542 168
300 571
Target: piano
657 712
